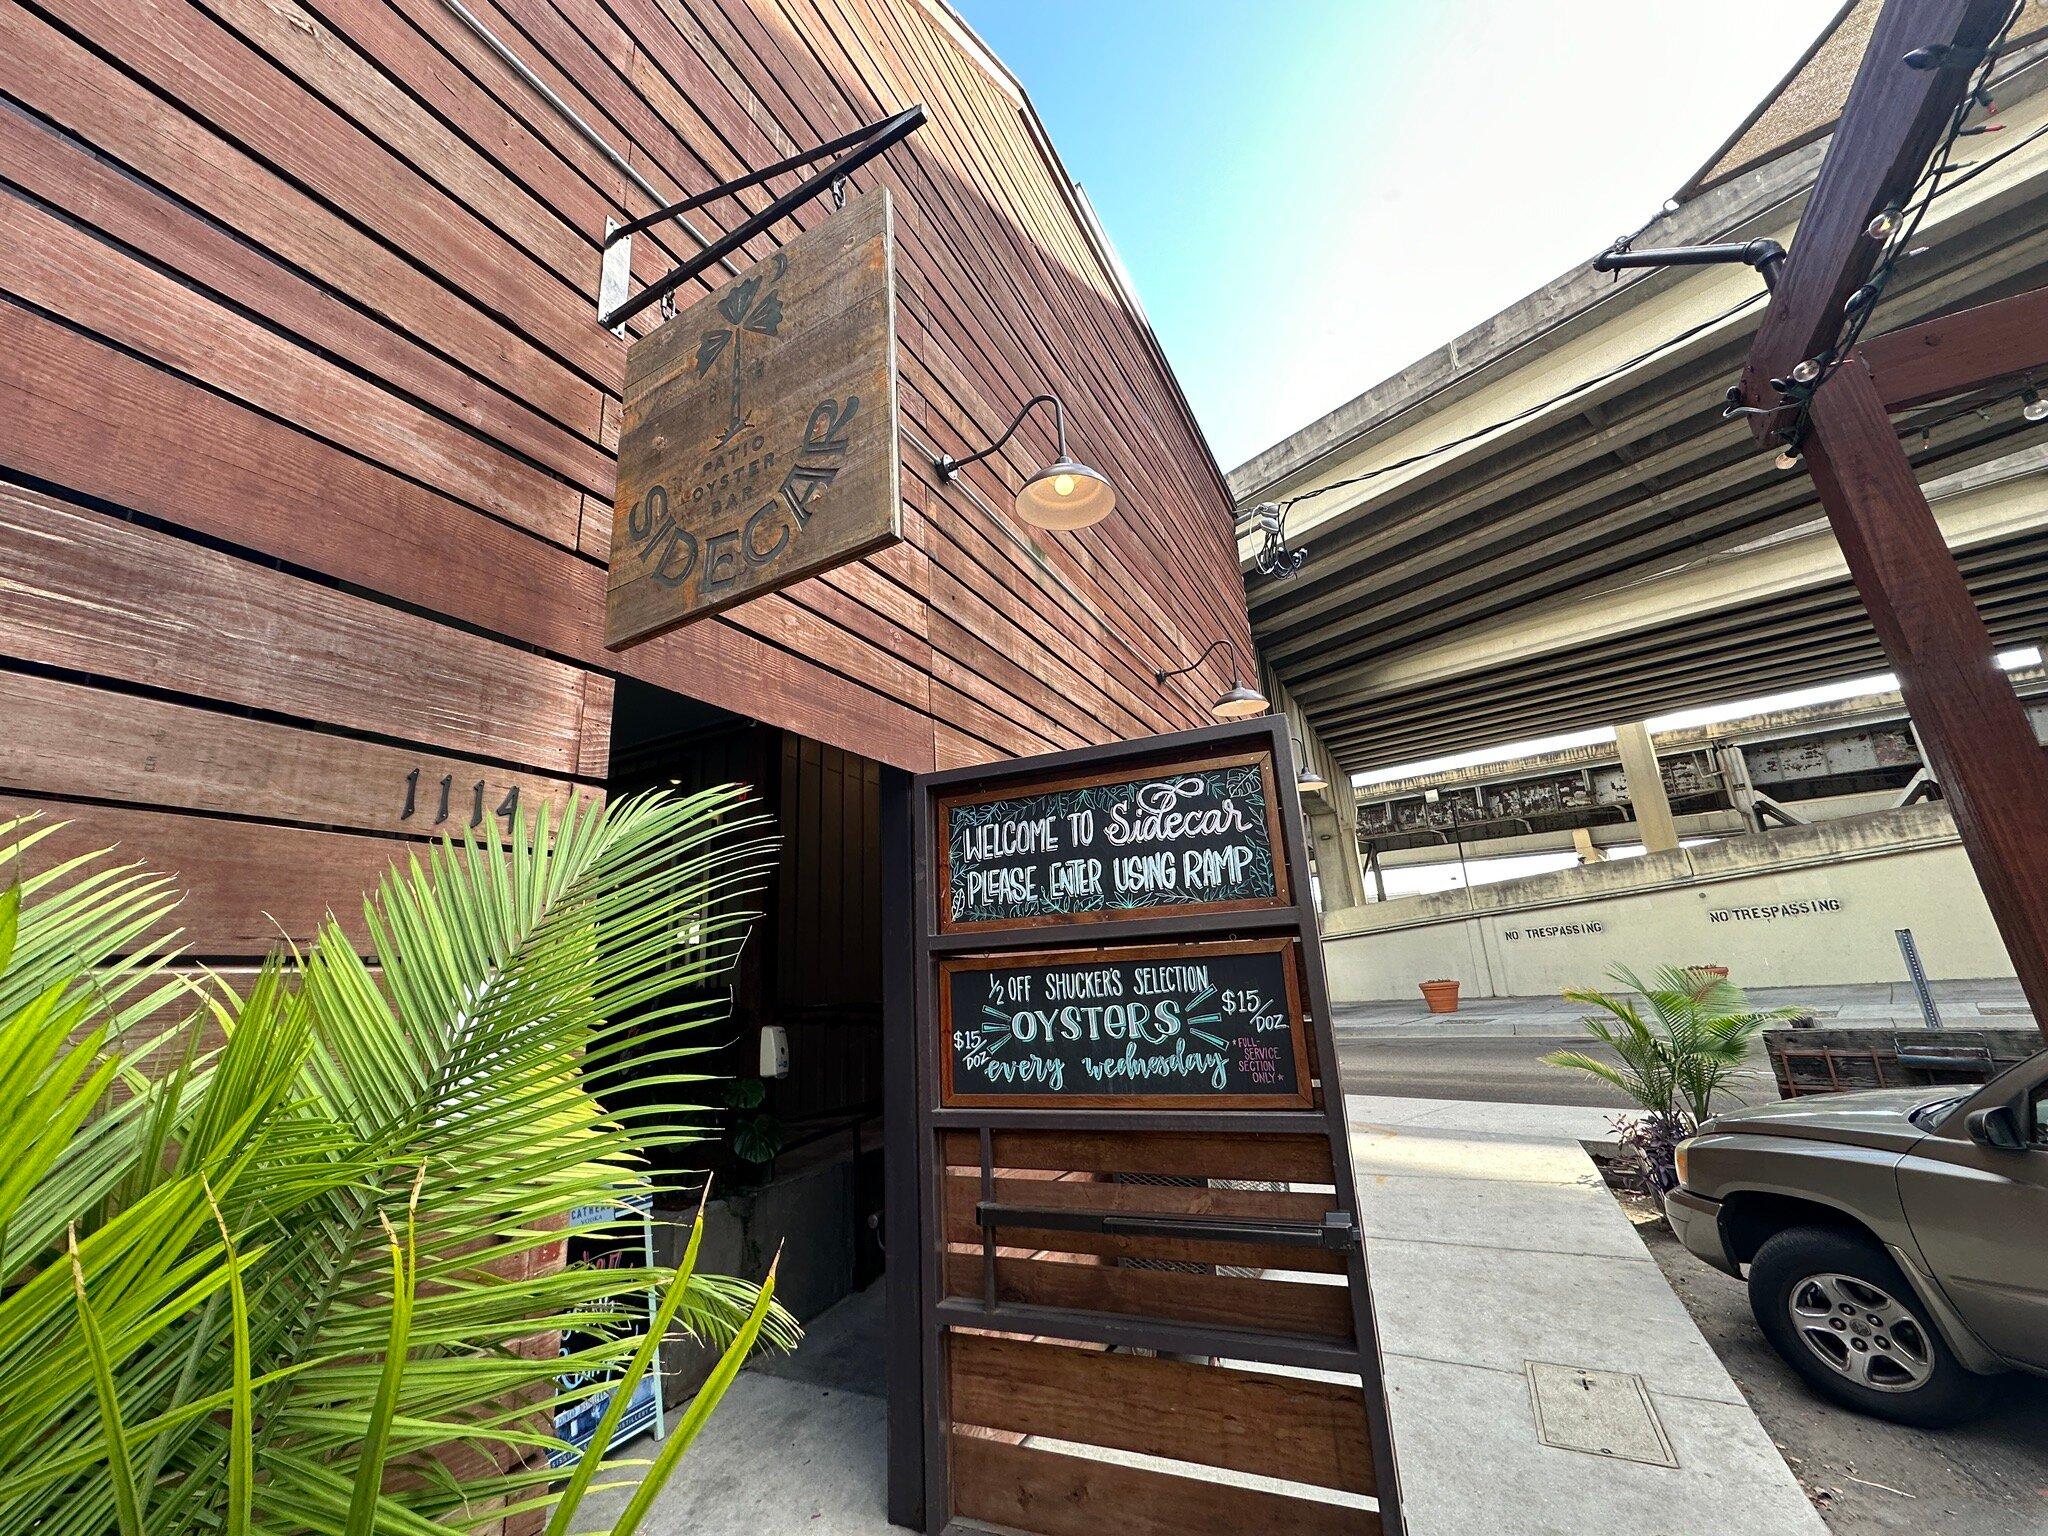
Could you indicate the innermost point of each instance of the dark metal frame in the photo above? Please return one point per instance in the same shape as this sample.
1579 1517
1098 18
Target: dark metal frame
859 146
1160 675
1335 1231
1767 256
902 1224
936 1311
948 466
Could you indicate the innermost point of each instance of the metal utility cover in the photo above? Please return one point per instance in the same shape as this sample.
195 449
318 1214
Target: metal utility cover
1603 1413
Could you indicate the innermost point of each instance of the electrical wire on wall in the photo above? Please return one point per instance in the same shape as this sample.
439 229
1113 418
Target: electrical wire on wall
1271 516
1897 227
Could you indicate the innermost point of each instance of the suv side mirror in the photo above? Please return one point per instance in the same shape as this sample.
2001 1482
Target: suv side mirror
1995 1128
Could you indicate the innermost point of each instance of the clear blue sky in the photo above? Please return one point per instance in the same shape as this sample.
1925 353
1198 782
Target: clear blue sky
1312 194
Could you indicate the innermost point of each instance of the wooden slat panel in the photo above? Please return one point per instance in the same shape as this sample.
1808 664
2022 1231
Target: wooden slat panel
247 885
104 107
92 189
356 221
217 78
1168 1199
66 271
165 447
962 1191
1275 1306
1287 1159
1054 1494
102 596
59 738
594 727
1276 1426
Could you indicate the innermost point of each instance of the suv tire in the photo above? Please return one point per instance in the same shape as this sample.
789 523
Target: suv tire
1842 1314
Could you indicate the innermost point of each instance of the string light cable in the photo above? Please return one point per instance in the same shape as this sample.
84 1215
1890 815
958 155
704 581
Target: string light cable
1896 226
1271 516
1899 225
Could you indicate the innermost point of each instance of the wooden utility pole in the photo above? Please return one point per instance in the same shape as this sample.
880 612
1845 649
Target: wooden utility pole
1980 742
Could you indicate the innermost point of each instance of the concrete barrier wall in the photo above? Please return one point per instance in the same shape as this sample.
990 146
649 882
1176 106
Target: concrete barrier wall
1806 906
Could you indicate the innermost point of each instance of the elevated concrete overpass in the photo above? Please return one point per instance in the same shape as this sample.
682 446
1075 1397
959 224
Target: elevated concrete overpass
1612 548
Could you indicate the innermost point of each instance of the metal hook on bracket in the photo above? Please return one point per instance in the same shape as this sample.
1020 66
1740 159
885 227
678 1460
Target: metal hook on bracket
852 150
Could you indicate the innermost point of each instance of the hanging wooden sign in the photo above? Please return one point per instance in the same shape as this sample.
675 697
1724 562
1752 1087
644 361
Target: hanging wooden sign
1135 1180
758 442
1167 1026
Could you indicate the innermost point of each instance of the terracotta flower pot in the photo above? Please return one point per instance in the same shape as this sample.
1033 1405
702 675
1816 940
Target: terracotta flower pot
1718 972
1442 996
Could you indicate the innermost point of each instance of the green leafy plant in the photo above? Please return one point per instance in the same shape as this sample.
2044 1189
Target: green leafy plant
757 1135
1672 1062
759 1139
287 1262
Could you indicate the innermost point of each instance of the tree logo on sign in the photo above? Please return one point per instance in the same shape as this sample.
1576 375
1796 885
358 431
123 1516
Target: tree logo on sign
753 305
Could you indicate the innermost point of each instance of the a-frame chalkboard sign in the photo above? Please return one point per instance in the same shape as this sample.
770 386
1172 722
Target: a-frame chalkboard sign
1136 1187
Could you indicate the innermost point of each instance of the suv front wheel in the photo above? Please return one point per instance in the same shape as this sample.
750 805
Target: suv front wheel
1842 1315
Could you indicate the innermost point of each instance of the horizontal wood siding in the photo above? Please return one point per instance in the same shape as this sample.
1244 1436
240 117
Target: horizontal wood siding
307 428
1026 1487
1303 1431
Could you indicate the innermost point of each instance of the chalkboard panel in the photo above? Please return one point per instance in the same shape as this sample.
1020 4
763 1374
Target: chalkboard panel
1166 1026
1197 834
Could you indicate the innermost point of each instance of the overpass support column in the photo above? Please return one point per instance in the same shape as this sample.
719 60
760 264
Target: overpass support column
1333 839
1654 822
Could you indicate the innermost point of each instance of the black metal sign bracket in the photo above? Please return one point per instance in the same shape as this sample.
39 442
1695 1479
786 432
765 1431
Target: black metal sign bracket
852 150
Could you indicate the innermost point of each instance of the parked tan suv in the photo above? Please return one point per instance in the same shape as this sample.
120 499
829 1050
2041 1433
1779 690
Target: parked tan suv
1896 1241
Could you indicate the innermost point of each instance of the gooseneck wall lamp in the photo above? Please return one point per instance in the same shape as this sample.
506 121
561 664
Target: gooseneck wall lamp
1306 779
1065 494
1241 702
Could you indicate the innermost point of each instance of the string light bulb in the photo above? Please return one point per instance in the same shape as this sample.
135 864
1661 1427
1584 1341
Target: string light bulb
1787 459
1881 227
2034 408
1806 370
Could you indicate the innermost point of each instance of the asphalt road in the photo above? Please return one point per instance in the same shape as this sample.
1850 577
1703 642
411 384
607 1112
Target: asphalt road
1504 1069
1988 1477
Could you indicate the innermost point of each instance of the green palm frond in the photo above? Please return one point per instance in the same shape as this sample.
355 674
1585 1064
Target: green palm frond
239 1329
1698 1030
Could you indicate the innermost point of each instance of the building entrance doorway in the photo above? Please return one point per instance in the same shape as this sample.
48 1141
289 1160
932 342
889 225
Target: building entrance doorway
793 1118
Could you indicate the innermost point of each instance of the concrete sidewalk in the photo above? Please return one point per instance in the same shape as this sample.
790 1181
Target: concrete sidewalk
796 1446
1493 1244
1962 1005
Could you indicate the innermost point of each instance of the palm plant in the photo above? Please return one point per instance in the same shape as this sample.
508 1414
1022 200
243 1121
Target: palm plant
1672 1063
286 1262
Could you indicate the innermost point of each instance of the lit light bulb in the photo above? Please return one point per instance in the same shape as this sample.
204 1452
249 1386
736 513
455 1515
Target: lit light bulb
1789 459
1063 485
1806 370
2035 409
1881 227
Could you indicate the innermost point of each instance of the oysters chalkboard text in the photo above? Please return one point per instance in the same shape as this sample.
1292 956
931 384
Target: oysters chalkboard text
1114 845
1187 1025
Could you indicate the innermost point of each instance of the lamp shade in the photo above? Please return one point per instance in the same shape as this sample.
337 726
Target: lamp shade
1310 782
1066 494
1241 703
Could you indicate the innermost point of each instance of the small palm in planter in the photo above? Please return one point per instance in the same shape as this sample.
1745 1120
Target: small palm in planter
1698 1031
291 1278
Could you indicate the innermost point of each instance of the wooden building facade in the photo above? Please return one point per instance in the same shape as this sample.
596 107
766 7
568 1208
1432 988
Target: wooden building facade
308 434
307 424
